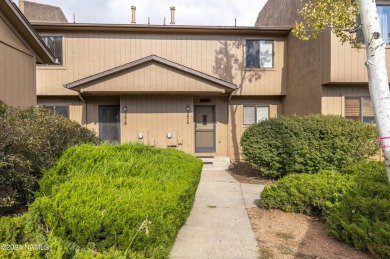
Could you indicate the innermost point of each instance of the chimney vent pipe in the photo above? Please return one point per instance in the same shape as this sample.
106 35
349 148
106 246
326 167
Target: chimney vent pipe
133 8
172 15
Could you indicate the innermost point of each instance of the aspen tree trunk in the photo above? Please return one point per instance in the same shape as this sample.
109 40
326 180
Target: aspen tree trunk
377 74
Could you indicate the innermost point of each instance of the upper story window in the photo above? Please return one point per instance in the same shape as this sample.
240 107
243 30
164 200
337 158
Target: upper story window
62 110
384 22
54 43
359 108
255 114
259 53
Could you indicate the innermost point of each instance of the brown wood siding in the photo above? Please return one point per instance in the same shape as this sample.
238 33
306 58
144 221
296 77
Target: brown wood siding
156 116
348 64
236 121
152 77
76 106
333 97
17 68
86 54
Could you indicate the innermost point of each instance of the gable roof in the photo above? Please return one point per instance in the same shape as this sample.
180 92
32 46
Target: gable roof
19 21
227 86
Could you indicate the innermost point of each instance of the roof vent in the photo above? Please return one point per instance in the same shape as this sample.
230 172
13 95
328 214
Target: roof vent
172 15
133 8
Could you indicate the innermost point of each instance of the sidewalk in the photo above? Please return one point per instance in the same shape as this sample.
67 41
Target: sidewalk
218 225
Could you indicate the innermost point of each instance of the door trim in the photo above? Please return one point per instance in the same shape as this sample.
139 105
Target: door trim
102 106
214 148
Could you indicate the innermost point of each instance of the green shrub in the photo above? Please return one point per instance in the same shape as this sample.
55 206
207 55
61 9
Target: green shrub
305 193
31 140
112 201
361 217
307 144
365 167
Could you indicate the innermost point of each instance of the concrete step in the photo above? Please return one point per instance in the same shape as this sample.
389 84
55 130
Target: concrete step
215 162
213 159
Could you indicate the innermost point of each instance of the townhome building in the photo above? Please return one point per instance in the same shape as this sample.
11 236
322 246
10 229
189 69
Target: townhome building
197 88
193 88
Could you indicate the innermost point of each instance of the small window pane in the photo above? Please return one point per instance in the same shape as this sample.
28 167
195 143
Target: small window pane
249 115
384 21
252 53
54 43
262 114
368 111
59 110
266 53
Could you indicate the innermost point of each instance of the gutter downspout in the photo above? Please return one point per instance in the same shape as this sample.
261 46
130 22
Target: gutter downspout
86 108
229 124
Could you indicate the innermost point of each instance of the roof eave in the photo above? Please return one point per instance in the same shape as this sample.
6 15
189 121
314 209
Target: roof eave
146 28
12 12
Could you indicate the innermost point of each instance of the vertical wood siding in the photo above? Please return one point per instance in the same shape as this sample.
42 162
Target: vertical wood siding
236 120
156 116
17 68
333 97
86 54
347 63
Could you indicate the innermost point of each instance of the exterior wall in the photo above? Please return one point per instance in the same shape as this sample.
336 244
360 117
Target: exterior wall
76 106
308 62
222 56
155 116
17 67
152 77
348 64
236 121
333 99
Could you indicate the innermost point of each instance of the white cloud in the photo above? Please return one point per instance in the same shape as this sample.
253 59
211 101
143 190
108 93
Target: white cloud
188 12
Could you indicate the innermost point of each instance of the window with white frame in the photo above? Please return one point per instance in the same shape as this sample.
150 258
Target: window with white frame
255 113
62 110
259 54
359 108
54 43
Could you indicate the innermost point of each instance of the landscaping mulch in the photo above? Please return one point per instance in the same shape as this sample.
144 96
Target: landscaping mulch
244 173
290 235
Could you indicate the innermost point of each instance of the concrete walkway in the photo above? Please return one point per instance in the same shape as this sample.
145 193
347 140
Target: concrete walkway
218 225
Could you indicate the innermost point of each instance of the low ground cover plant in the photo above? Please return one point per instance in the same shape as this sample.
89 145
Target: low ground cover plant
307 144
355 203
30 140
119 201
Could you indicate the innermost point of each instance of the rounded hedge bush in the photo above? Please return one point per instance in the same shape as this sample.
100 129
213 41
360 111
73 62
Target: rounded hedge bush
307 144
305 193
31 139
361 217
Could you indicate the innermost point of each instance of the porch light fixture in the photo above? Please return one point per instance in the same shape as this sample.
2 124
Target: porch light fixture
125 112
188 108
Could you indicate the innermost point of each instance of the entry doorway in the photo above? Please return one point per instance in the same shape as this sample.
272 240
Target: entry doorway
109 123
204 129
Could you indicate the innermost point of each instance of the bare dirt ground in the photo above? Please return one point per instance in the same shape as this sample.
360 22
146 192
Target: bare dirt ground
290 235
243 173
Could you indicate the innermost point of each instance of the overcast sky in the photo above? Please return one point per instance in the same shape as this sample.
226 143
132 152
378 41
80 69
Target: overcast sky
188 12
